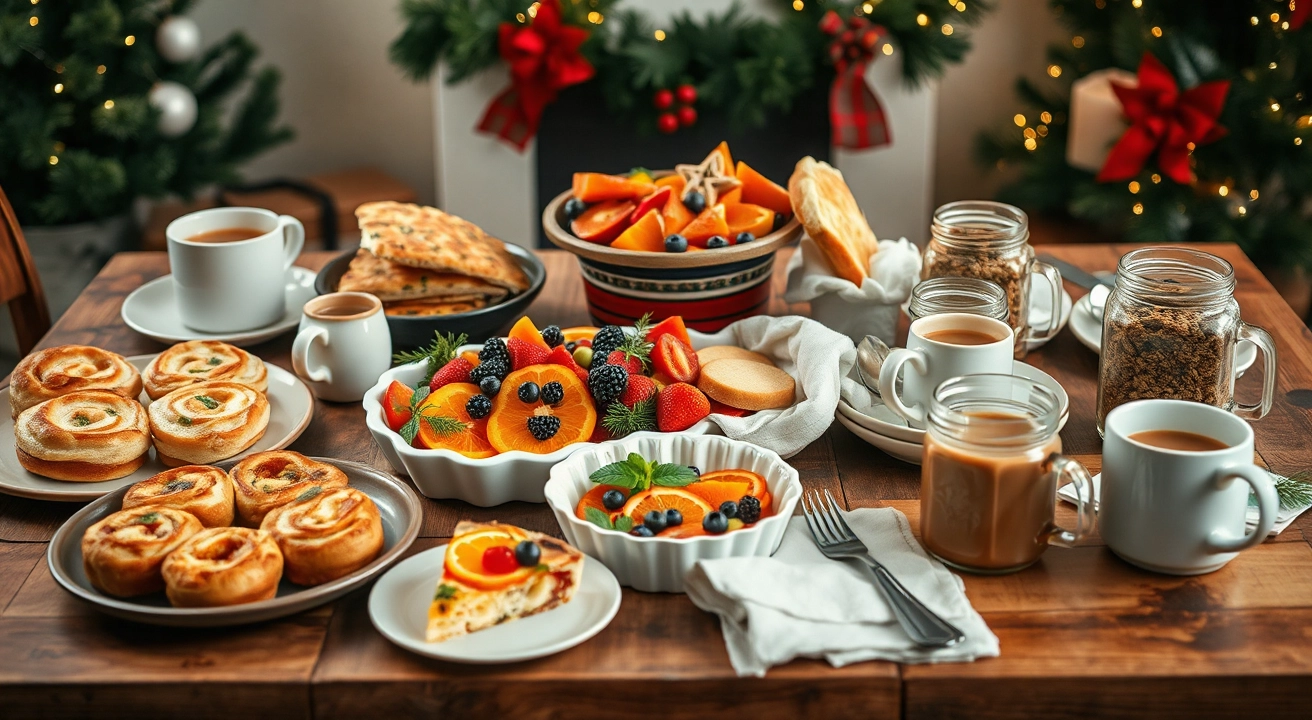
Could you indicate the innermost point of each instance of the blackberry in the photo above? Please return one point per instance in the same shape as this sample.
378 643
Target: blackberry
528 392
553 335
489 385
479 406
489 369
607 383
494 349
544 427
553 393
749 509
607 339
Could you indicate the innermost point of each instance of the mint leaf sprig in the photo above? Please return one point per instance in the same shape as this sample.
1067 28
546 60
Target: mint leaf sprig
637 474
623 523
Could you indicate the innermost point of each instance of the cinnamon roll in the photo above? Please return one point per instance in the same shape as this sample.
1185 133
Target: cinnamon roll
122 553
223 566
86 436
201 490
200 361
266 480
207 422
326 534
53 372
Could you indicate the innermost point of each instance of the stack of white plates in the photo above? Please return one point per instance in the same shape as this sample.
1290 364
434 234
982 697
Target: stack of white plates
865 414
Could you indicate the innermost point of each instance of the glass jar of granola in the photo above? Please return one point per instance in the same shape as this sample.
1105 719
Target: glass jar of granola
990 241
1170 329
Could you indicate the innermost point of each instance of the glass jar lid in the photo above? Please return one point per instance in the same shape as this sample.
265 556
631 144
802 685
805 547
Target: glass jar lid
958 294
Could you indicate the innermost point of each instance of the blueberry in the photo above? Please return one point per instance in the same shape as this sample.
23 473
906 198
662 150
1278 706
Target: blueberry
780 220
489 386
695 470
570 346
553 393
528 553
695 202
743 237
676 243
528 392
729 509
655 520
613 499
574 207
716 241
479 406
715 523
642 531
673 518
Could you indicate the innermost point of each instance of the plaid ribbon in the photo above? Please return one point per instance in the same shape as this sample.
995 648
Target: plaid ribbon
543 58
856 117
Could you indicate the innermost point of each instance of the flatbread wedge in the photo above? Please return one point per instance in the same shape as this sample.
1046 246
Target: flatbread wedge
826 208
426 237
389 281
430 307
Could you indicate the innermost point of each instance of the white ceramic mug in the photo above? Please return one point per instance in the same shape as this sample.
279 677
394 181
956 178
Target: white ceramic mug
232 286
929 362
1177 511
343 345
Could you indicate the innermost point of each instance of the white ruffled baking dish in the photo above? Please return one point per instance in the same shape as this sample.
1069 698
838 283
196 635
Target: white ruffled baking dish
660 564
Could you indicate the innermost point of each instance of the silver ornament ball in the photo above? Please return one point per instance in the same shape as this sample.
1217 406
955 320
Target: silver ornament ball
176 106
178 39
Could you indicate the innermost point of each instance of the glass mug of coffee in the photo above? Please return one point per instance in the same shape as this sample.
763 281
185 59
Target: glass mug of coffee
1175 483
230 265
990 470
940 347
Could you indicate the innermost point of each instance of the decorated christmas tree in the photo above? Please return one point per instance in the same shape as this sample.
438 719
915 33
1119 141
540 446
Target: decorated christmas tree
1172 120
105 101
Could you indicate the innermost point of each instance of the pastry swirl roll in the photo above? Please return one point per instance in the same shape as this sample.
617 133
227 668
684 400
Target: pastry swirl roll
201 490
122 554
326 534
57 371
204 423
201 361
266 480
223 566
86 436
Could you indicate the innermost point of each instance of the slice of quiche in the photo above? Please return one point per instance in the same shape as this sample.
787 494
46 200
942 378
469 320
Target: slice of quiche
489 577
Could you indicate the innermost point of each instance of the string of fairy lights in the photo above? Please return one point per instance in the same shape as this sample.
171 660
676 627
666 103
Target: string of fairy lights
1032 136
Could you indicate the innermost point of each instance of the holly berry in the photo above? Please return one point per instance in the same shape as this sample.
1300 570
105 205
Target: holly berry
499 560
663 99
687 116
667 123
687 94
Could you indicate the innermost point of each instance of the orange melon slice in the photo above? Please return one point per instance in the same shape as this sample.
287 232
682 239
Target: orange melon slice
757 189
709 223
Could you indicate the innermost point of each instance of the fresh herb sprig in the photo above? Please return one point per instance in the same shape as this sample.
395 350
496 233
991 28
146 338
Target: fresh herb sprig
635 344
637 474
621 420
623 523
443 425
1293 492
438 353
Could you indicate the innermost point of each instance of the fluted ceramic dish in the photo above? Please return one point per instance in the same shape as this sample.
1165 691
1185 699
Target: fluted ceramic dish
397 505
660 564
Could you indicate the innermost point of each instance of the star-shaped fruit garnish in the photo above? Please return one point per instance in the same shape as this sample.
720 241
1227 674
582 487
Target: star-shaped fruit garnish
710 178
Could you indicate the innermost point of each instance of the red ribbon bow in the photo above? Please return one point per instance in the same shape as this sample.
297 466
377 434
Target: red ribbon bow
1299 12
855 115
1165 121
543 58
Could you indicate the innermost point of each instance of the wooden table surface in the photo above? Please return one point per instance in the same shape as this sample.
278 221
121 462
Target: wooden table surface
1082 633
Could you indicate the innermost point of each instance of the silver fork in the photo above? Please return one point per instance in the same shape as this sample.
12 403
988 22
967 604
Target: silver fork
837 541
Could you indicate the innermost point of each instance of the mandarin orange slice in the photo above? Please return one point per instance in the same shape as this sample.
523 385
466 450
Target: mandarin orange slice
756 486
744 217
525 330
592 499
507 426
464 558
663 498
760 190
709 223
581 332
448 403
715 492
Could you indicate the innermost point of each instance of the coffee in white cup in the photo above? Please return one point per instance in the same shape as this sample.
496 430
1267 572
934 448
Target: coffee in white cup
343 345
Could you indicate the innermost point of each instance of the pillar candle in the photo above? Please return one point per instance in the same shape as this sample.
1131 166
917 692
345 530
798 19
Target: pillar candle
1096 118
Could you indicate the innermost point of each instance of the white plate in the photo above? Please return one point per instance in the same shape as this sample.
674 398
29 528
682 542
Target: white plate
290 408
1041 311
904 451
1087 328
398 607
152 311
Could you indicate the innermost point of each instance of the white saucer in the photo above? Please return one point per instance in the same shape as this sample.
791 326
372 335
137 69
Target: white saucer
1087 328
290 408
1041 312
904 451
398 607
152 311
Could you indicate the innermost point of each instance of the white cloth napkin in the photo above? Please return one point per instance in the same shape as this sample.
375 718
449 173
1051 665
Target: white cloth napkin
871 309
817 358
799 603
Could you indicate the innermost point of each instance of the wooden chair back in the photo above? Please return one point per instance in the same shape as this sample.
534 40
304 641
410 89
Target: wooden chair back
20 286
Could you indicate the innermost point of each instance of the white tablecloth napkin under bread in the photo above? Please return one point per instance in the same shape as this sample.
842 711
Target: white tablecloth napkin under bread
872 308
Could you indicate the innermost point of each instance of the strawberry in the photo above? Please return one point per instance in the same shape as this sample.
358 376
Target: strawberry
524 353
640 388
560 356
456 371
396 404
680 406
632 363
719 408
675 358
599 433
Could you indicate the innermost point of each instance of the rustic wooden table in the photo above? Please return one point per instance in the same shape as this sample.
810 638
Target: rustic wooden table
1082 633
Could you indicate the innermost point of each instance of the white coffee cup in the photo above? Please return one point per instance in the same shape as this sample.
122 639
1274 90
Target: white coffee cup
343 345
1180 512
929 362
232 286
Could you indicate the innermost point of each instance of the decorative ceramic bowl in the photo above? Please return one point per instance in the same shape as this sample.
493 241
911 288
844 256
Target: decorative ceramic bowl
409 333
710 289
660 564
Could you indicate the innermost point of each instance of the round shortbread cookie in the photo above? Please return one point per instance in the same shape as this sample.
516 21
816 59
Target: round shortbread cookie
706 356
747 384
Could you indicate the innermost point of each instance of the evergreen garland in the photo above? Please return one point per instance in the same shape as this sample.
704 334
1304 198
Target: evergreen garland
744 66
